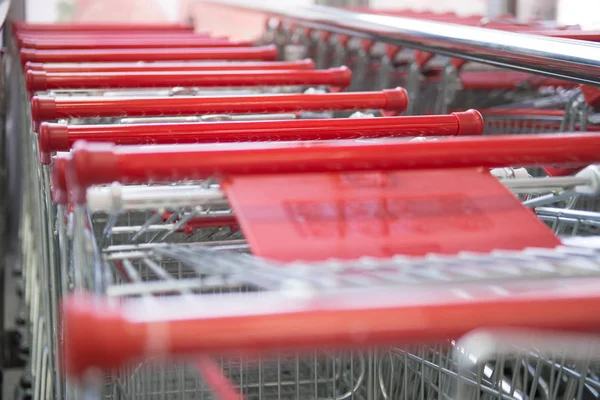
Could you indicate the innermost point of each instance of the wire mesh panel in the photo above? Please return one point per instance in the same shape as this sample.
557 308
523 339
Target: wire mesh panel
411 372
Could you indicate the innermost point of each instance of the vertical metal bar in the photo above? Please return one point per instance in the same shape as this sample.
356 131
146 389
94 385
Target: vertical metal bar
53 285
497 8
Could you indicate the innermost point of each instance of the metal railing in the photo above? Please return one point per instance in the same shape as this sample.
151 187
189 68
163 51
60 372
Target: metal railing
567 59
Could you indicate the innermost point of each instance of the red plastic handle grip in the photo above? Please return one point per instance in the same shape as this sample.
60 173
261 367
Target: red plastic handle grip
23 38
134 43
59 137
102 163
390 101
336 78
263 53
158 66
374 318
29 39
58 179
32 27
89 35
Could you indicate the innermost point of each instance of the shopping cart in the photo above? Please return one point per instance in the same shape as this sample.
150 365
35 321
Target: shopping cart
349 306
173 232
159 268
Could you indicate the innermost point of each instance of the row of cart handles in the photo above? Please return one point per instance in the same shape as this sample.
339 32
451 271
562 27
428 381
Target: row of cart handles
100 163
322 321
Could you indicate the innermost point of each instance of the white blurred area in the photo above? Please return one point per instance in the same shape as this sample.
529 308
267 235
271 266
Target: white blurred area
583 12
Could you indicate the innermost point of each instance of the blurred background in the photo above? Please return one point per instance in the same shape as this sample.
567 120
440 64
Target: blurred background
582 12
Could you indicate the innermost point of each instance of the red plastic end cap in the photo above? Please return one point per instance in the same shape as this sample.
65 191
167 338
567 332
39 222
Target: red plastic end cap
35 81
591 94
27 55
307 64
469 123
58 180
270 53
458 63
342 78
91 164
90 328
31 66
52 138
42 109
396 101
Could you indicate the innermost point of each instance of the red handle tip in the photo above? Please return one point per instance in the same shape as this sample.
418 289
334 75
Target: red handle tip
469 122
35 81
58 179
396 102
342 78
42 109
52 138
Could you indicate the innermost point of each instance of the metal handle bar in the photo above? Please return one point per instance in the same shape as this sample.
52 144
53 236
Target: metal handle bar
506 25
335 78
511 26
474 20
102 163
508 80
277 321
135 43
77 27
60 137
561 58
391 101
174 66
568 214
263 53
117 198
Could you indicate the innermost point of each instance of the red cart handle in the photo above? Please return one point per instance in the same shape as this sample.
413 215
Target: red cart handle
58 179
133 43
95 163
263 53
24 39
166 66
336 78
272 322
391 102
59 137
78 27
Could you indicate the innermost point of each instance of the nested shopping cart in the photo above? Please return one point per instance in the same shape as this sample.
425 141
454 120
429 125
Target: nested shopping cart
340 214
176 228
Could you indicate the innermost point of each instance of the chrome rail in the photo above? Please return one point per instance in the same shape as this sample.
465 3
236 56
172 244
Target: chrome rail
567 59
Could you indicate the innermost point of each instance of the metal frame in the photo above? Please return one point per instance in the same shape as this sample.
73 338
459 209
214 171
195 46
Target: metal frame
560 58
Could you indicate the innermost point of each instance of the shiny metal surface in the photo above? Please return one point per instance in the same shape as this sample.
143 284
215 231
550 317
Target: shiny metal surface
560 58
